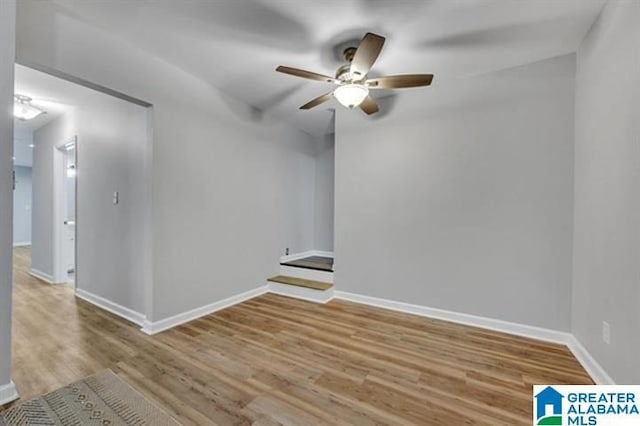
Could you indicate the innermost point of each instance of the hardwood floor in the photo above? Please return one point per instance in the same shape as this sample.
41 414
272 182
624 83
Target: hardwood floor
275 360
301 282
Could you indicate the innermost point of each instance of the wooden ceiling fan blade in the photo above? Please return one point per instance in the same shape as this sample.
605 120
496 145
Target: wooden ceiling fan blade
305 74
317 101
400 81
369 105
366 54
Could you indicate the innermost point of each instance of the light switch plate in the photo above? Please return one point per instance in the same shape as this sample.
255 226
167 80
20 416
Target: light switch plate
606 332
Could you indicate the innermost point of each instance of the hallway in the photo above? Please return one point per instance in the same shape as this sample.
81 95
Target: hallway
54 334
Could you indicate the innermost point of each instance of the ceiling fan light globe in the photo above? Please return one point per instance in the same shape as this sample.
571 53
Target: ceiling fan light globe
351 95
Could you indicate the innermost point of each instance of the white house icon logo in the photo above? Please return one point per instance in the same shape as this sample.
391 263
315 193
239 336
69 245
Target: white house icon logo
548 407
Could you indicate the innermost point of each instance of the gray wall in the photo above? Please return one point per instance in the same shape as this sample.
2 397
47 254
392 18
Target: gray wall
229 195
231 187
7 39
112 142
22 152
606 283
461 197
475 198
112 139
22 206
324 194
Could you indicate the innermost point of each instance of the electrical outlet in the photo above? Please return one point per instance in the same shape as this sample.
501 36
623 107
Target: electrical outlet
606 332
286 251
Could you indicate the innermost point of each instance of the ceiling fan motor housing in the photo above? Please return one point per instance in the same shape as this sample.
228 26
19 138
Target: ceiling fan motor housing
349 53
344 72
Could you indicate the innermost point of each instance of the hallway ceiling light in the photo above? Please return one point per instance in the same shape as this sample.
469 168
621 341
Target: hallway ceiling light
23 110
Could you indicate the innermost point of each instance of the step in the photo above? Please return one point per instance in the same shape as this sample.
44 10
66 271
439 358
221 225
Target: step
301 282
318 263
305 273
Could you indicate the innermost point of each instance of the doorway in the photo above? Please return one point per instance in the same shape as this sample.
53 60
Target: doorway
65 217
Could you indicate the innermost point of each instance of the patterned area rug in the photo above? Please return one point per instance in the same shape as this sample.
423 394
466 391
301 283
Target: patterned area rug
101 399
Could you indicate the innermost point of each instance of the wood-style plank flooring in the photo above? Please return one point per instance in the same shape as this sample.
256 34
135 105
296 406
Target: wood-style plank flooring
274 360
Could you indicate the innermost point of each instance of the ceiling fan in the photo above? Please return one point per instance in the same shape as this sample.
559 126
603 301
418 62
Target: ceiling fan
351 78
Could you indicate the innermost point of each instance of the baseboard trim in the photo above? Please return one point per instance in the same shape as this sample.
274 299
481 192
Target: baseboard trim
323 253
8 393
302 255
22 244
545 334
155 327
114 308
591 366
42 276
595 370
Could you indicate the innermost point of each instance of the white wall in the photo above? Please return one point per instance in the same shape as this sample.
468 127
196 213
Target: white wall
22 206
461 197
7 40
324 194
231 187
606 283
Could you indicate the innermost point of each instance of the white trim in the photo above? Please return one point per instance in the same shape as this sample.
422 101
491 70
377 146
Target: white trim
8 393
460 318
595 370
146 258
43 276
114 308
59 205
22 244
296 256
307 273
302 255
167 323
60 252
308 294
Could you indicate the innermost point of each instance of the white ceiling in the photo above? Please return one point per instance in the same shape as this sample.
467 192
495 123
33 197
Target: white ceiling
236 45
54 95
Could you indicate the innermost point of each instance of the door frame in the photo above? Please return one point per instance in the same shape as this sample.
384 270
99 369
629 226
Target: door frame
60 274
